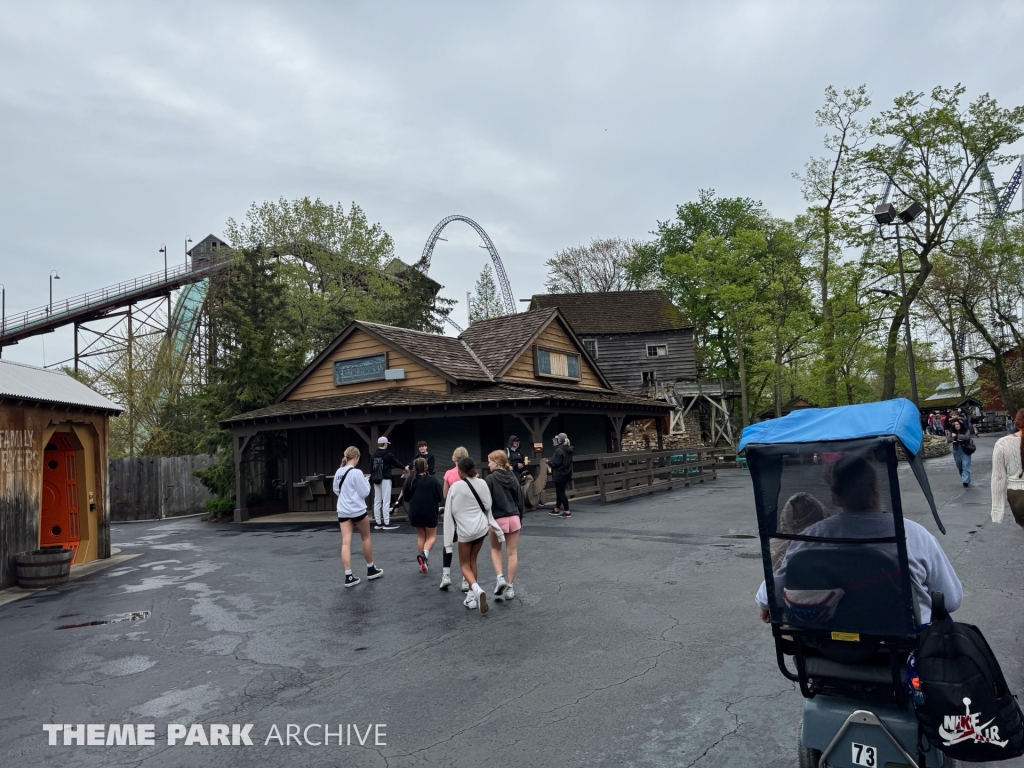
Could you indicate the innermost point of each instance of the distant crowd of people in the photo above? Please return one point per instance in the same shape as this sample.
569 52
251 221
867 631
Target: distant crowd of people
475 509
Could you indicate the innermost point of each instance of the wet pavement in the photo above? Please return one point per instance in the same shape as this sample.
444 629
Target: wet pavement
633 640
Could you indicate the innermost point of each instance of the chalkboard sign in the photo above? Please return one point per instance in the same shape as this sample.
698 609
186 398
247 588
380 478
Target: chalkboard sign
356 369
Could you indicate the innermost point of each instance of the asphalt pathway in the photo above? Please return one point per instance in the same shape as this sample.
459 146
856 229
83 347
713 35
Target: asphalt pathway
633 641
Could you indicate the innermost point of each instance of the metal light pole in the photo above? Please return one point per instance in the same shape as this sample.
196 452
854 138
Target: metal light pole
906 318
187 241
53 276
163 250
886 214
3 309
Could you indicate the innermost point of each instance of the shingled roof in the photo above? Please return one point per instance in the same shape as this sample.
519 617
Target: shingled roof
497 340
448 355
398 399
615 312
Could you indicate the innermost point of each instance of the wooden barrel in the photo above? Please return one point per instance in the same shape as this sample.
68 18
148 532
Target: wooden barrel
40 568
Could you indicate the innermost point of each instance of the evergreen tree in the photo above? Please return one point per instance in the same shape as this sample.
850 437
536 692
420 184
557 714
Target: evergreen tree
485 302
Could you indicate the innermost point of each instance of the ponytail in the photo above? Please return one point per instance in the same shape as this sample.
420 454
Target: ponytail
1018 422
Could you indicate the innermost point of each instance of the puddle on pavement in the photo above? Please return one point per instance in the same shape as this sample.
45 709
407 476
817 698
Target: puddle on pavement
737 536
749 555
117 619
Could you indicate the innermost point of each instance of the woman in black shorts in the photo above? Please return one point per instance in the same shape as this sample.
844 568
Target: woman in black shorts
423 495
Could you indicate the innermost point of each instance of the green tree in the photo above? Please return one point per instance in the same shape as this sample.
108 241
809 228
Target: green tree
338 267
728 273
932 149
656 262
260 350
486 302
833 187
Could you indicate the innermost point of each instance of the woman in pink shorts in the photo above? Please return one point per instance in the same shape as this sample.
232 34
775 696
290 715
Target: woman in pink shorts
507 508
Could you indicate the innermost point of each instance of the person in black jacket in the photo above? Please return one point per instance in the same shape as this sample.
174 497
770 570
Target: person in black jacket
560 467
423 452
958 433
516 459
507 509
382 461
423 495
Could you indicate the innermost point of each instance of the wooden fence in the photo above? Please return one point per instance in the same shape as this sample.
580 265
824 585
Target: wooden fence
155 487
615 476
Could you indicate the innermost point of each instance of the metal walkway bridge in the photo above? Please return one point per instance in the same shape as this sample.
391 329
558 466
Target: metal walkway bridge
98 304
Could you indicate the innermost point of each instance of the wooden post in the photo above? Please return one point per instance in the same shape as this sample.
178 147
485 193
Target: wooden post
658 429
240 443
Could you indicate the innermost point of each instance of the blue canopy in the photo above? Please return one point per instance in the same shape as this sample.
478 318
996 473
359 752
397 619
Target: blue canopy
899 418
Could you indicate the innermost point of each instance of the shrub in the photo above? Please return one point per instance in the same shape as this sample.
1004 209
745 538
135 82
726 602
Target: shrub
217 508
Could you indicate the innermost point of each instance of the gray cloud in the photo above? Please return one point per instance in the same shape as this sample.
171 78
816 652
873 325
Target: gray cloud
128 125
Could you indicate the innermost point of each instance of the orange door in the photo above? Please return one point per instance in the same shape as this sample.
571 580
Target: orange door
59 524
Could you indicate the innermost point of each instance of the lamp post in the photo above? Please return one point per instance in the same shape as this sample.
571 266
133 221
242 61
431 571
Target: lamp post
886 214
187 241
53 276
3 309
163 250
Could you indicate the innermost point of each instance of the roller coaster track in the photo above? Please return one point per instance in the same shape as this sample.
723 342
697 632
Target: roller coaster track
428 251
98 304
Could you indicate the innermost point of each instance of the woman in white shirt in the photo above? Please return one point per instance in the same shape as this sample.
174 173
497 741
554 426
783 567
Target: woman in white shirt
1008 474
468 508
351 487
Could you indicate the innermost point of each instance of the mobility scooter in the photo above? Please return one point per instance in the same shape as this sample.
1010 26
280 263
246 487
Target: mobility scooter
843 608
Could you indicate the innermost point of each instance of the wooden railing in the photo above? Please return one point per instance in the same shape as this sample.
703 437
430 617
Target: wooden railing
615 476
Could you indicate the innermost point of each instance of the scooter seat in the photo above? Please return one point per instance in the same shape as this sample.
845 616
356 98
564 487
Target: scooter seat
861 673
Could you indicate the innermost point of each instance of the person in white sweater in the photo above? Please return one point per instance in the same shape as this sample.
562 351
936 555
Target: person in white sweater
351 487
1008 474
468 509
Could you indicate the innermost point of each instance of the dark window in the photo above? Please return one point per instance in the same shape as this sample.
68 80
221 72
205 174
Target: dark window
649 377
657 350
591 346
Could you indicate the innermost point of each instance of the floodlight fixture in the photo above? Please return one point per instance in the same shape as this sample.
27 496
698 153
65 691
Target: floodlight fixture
885 213
911 212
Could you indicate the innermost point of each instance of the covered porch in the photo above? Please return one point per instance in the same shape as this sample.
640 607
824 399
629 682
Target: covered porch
317 431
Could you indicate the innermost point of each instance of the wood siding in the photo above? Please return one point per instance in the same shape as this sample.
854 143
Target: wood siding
320 381
623 359
24 431
553 337
155 487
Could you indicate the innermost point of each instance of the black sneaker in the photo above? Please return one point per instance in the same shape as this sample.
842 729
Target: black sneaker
351 580
966 484
555 512
374 573
565 514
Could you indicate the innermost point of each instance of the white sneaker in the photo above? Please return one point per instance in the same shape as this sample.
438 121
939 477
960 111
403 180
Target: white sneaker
377 526
446 581
470 601
509 592
465 586
482 599
500 586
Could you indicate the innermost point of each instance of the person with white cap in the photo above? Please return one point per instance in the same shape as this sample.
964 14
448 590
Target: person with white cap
381 463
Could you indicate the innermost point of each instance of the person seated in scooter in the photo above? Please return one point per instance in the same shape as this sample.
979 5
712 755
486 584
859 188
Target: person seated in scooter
854 489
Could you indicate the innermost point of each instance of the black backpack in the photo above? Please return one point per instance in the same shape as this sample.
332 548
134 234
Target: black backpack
377 470
963 703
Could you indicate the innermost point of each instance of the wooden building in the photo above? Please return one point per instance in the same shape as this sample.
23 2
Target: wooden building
53 465
526 374
639 339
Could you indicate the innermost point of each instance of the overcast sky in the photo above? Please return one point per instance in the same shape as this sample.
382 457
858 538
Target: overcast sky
128 125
